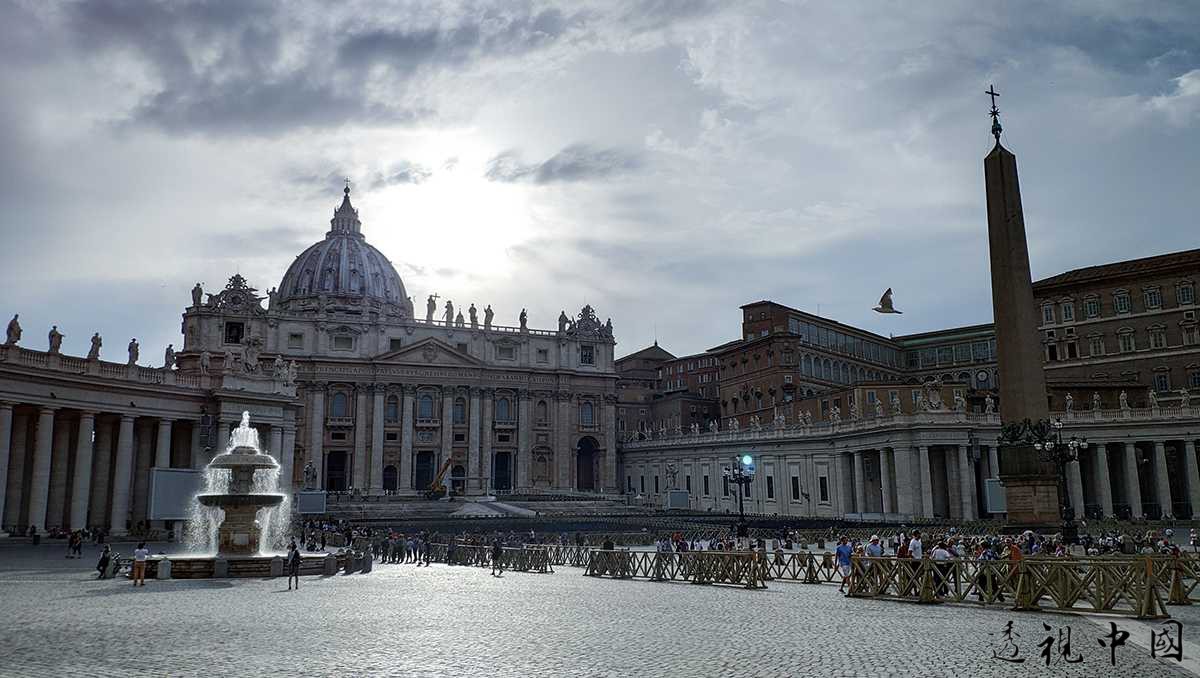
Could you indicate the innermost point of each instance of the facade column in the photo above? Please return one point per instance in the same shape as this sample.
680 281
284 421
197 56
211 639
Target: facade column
993 462
1162 485
122 477
143 457
59 465
276 445
358 476
885 480
562 455
376 479
1133 491
316 431
474 467
39 480
15 502
101 472
524 424
196 452
162 450
447 434
83 471
1193 476
6 413
287 459
966 482
486 437
860 483
926 485
406 440
1075 489
611 483
222 439
905 496
1103 485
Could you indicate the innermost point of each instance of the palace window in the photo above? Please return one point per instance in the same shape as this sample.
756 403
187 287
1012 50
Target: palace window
979 351
296 340
1162 382
586 415
425 407
1047 314
1190 336
1068 312
962 353
795 488
725 486
1096 346
1153 297
823 488
1158 338
503 410
460 411
339 406
1121 302
1091 307
391 412
1194 379
587 354
234 332
1127 342
1185 294
946 355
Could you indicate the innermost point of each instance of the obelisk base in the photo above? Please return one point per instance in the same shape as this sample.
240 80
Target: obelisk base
1032 501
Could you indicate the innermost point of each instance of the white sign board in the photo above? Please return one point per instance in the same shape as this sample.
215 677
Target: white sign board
173 492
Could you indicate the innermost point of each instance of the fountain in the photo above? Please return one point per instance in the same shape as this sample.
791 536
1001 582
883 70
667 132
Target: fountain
233 487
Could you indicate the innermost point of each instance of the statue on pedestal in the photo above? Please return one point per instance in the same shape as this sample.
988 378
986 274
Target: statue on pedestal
562 321
695 429
733 424
1152 398
197 295
878 409
272 294
253 349
835 416
1185 398
989 404
56 338
291 374
1097 404
310 475
279 369
487 317
169 357
449 315
1124 400
1070 403
430 308
205 361
14 331
133 351
94 351
854 415
897 409
227 362
960 403
712 426
608 330
523 317
474 315
807 419
672 471
459 321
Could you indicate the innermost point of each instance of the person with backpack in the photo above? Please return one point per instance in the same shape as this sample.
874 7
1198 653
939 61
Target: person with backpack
293 565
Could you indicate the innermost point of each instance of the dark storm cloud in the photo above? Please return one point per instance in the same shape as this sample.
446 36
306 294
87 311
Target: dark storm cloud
578 162
403 172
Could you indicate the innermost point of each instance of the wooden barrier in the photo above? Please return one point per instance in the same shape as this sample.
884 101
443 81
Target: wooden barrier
517 559
1130 587
739 568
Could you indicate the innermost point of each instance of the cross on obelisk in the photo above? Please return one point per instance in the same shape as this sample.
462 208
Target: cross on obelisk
995 112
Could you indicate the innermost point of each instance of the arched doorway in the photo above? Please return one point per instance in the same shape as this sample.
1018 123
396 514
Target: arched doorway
585 463
335 471
424 470
502 472
458 479
389 478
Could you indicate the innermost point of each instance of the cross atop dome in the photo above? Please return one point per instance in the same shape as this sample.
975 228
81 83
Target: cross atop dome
345 217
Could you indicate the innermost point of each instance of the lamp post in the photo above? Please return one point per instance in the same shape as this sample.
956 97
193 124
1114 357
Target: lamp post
1046 438
741 473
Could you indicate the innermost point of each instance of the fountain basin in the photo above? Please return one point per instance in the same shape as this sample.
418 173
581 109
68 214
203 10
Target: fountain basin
240 500
241 460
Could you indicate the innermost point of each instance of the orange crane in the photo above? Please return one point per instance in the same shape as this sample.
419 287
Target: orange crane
436 488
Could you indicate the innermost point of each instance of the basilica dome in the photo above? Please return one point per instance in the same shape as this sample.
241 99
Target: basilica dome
345 266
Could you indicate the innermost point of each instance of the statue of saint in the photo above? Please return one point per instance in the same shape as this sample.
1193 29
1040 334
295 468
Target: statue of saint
487 317
133 351
608 328
279 369
1185 398
252 352
169 357
836 415
807 419
854 415
197 295
227 362
562 321
989 404
523 317
960 403
94 351
14 331
1124 399
272 294
291 374
897 409
449 316
459 321
56 338
474 315
205 360
1097 403
878 409
1152 398
430 308
1070 403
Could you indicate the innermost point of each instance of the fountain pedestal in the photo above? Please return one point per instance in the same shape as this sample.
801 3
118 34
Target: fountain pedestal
238 534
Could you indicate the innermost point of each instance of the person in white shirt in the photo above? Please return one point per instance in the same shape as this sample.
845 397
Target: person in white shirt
140 554
940 557
914 547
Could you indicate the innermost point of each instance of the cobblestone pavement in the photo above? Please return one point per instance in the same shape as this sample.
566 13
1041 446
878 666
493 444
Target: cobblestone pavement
55 619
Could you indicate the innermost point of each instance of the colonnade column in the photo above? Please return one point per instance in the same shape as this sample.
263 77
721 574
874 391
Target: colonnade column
885 479
6 412
316 432
39 479
1133 491
1103 486
122 476
447 431
486 437
906 503
562 455
406 440
276 445
15 500
611 482
359 475
1193 476
83 471
376 481
993 462
926 486
222 439
1075 489
59 460
195 451
287 459
966 483
525 415
162 452
1162 485
101 471
860 483
474 465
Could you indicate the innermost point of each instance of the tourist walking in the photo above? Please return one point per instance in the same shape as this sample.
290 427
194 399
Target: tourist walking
105 559
293 565
843 552
497 558
140 554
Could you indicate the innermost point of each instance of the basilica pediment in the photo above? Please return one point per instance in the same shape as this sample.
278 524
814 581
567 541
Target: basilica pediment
428 352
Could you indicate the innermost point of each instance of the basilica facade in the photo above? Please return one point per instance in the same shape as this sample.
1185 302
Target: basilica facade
349 388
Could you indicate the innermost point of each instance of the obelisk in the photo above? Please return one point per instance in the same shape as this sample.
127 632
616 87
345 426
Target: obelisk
1030 485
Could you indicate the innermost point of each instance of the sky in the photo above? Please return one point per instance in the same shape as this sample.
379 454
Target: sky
664 161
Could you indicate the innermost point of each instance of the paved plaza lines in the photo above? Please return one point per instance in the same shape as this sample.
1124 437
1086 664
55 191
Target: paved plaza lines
402 620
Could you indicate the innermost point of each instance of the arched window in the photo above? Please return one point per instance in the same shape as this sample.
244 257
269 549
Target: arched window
425 407
806 369
392 411
586 416
542 412
460 411
503 411
827 370
340 406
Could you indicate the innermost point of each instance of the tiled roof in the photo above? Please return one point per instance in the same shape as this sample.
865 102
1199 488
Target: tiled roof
1143 266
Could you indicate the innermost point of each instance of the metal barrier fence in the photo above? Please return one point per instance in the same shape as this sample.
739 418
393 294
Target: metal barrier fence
739 568
1130 587
518 559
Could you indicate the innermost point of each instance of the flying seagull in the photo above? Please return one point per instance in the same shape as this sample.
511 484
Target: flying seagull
885 303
